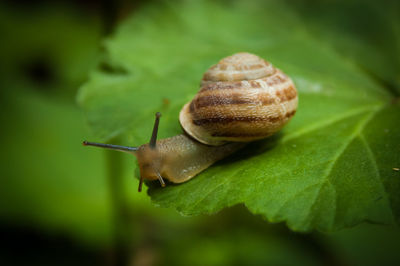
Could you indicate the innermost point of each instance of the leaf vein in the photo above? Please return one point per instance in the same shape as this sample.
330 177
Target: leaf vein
341 151
378 175
327 122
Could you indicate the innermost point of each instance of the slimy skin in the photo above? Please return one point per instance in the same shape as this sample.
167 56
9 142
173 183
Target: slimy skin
180 158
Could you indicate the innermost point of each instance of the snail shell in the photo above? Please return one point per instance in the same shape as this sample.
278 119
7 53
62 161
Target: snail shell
242 98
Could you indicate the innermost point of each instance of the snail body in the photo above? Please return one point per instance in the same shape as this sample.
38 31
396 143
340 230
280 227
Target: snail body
180 158
241 99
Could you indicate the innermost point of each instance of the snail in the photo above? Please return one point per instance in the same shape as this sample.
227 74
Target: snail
241 99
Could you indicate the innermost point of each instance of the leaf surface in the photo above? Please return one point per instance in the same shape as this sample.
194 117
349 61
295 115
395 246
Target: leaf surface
331 167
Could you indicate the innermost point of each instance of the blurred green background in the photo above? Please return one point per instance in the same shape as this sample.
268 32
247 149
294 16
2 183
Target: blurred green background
58 206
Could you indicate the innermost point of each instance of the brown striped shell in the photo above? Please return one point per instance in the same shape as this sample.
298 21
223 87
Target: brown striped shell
242 98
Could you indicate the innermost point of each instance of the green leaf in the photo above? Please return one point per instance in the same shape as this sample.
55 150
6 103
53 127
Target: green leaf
331 167
366 31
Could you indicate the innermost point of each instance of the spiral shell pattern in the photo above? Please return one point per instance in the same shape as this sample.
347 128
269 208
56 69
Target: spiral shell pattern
242 98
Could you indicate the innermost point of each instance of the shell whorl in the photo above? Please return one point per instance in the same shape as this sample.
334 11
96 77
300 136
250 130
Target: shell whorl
237 67
242 98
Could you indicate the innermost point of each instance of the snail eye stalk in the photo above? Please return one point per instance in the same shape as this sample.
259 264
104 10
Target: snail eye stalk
111 146
153 139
